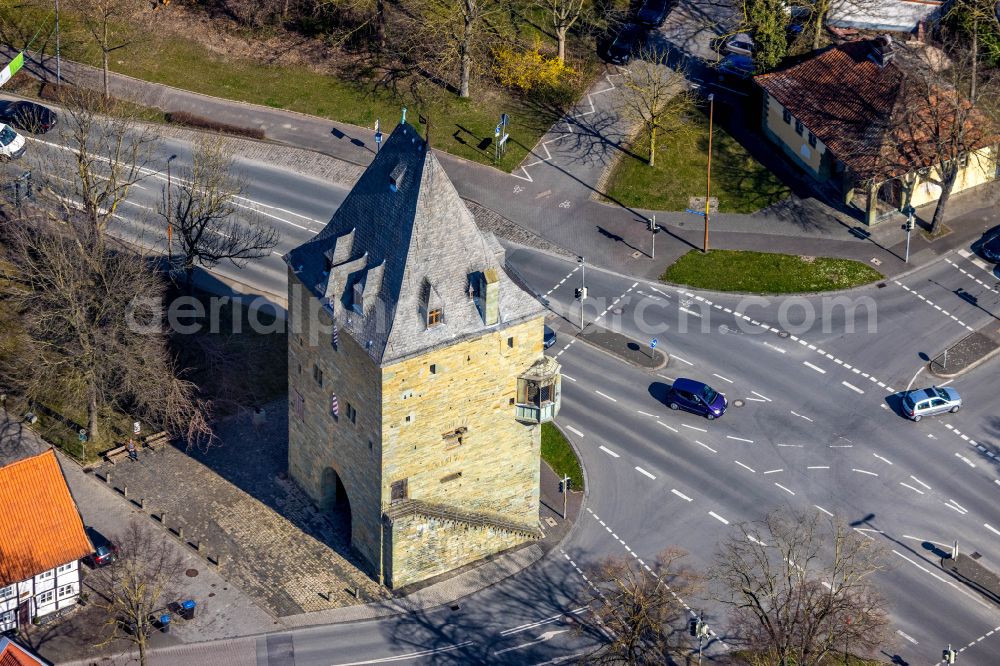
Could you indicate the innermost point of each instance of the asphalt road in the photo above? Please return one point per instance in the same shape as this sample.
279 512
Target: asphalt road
817 433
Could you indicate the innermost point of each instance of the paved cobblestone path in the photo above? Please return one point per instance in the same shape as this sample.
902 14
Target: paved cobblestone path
236 500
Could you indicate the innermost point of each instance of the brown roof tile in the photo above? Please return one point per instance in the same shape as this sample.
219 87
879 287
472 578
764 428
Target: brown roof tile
12 654
40 525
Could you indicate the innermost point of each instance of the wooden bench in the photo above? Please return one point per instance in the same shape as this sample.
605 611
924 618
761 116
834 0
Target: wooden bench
156 441
116 454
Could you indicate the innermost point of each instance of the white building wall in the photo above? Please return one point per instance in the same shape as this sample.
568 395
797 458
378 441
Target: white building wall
44 593
890 15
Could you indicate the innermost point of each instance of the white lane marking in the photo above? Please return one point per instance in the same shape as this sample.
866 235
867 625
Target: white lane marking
690 312
862 471
906 485
777 349
681 495
920 482
740 439
818 467
798 446
609 451
666 426
565 376
784 488
802 417
991 529
967 461
718 517
680 359
763 397
852 387
907 636
946 383
706 446
773 471
745 466
755 540
814 367
960 507
881 458
685 425
722 378
645 473
575 431
646 413
605 395
823 510
409 655
532 625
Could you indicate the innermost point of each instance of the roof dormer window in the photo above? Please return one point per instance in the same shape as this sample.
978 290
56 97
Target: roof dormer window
396 177
358 301
435 317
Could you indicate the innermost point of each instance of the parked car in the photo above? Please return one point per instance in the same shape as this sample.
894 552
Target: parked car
29 117
12 144
929 401
740 44
736 65
653 13
105 552
550 337
694 396
990 246
623 45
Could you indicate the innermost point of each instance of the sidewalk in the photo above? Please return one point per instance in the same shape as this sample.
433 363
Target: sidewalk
553 197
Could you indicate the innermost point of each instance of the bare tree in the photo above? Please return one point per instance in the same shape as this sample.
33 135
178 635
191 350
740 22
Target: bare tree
137 584
203 210
642 610
93 334
113 25
563 14
800 587
656 99
107 151
974 15
817 13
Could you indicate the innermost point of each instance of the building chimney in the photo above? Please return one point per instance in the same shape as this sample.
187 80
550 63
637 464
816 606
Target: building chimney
491 297
882 52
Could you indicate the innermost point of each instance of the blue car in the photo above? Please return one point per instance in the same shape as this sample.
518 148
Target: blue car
696 397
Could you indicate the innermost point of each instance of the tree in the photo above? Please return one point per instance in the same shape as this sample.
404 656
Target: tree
108 151
655 98
92 330
113 25
203 207
137 584
767 22
642 610
800 587
977 18
564 14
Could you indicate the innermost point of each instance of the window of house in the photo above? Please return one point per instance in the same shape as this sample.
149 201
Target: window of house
510 343
455 437
318 375
451 477
787 115
44 598
334 407
64 568
409 418
812 139
352 414
798 127
45 575
65 591
359 298
299 406
433 368
435 317
6 591
398 490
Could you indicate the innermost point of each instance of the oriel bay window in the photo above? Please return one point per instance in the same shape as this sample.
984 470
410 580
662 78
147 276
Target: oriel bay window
538 392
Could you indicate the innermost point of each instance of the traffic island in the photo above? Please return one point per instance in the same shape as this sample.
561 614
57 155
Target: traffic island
624 347
968 570
969 352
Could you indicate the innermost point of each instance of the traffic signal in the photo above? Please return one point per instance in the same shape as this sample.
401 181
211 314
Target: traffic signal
693 627
948 655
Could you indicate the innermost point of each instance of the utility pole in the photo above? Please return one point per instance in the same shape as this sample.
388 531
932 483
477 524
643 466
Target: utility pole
581 293
653 229
909 228
58 61
564 489
708 187
698 628
170 219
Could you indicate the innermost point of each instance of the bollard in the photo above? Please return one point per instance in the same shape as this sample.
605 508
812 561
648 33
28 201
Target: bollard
357 593
201 548
180 533
142 502
124 491
218 560
163 517
107 477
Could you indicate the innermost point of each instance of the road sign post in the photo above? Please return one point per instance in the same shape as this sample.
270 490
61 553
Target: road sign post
564 488
378 134
909 229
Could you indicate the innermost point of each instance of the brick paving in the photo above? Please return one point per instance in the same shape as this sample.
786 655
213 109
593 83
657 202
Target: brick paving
235 500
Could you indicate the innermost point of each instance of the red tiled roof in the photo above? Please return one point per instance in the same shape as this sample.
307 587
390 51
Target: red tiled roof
843 97
12 654
40 525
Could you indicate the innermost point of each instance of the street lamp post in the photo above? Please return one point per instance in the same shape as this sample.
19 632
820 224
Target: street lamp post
170 218
909 228
652 230
582 291
708 186
58 61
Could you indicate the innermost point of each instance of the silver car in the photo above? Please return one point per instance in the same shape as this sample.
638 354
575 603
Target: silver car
929 401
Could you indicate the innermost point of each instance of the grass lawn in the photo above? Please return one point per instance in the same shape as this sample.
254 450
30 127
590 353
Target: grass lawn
741 183
766 273
462 127
557 452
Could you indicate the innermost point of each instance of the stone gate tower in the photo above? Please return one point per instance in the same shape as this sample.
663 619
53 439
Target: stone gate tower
417 380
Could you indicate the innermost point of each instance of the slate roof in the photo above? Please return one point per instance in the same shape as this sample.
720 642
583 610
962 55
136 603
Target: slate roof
404 236
40 525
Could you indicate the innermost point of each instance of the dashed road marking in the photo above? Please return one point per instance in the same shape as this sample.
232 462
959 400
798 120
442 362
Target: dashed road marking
675 356
823 510
718 517
907 636
722 378
575 431
681 495
852 387
739 439
609 451
666 426
991 528
886 460
906 485
645 473
685 425
802 417
814 367
762 397
705 446
777 349
745 466
818 467
863 471
605 395
920 482
784 488
774 471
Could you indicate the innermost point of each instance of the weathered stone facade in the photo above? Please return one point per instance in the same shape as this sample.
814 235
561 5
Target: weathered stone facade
408 412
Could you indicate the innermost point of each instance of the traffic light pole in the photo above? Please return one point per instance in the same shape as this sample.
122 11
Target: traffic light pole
565 491
909 228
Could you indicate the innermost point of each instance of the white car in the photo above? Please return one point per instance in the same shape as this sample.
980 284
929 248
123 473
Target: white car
12 144
740 44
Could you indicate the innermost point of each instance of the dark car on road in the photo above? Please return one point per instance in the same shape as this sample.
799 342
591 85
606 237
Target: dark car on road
622 46
550 337
29 117
105 552
990 246
694 396
653 13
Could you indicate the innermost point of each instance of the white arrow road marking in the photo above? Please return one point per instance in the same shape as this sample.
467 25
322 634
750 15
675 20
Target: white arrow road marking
546 636
906 485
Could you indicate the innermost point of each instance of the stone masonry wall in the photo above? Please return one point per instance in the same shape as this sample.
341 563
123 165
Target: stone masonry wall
317 441
423 547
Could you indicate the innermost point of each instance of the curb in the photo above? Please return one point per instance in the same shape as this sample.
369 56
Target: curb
975 364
